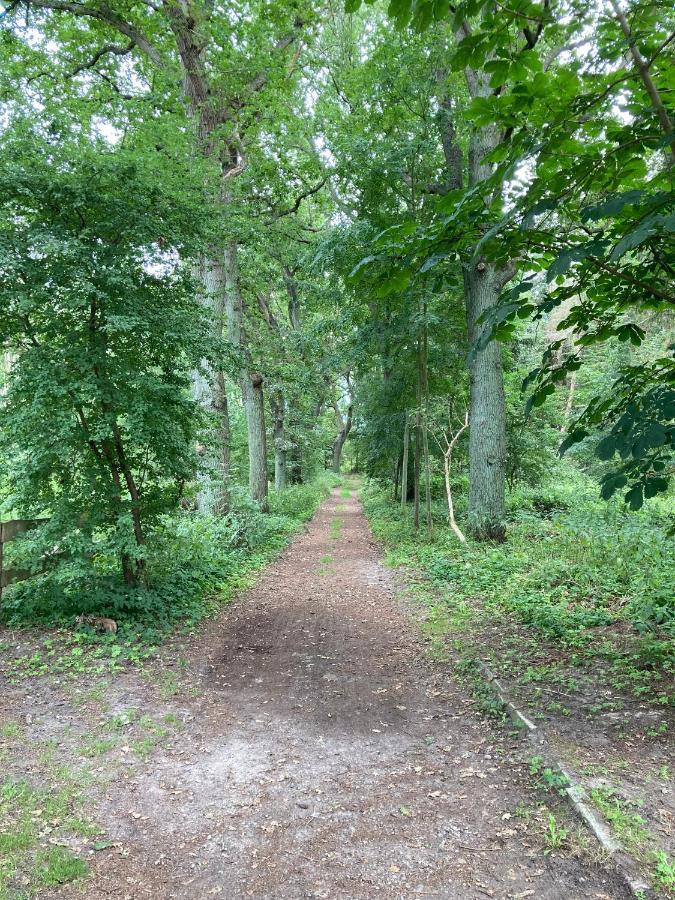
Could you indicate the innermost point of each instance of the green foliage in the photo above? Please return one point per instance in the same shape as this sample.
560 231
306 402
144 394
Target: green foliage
573 570
98 427
547 777
194 564
555 835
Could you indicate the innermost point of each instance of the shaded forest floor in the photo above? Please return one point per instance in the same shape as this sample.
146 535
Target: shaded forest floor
301 745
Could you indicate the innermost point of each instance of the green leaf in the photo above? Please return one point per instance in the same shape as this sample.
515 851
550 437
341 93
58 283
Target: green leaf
606 448
612 206
634 497
366 261
654 436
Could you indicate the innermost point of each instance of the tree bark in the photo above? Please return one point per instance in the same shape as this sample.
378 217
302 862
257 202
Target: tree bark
278 407
208 387
339 443
404 465
344 427
254 406
416 462
250 383
482 286
447 468
487 436
424 396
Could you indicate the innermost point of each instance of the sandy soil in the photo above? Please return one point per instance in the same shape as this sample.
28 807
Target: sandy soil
321 755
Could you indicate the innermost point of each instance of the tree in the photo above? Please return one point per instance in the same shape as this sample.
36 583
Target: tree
226 70
344 422
98 422
598 236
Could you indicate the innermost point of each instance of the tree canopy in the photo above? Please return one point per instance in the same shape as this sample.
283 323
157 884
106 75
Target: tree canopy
239 244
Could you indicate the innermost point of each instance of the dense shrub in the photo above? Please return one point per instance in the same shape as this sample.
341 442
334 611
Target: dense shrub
194 564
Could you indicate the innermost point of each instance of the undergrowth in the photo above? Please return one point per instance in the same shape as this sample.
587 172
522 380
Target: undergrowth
195 564
583 574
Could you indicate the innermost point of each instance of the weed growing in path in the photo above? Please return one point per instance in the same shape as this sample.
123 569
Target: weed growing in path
555 835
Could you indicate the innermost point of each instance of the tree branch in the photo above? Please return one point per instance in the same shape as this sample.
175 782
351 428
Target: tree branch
298 201
643 68
100 53
103 13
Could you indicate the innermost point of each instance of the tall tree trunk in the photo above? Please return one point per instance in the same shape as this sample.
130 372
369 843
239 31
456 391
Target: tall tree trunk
404 464
338 444
417 460
209 391
487 435
447 468
250 383
278 407
482 286
424 392
254 406
344 427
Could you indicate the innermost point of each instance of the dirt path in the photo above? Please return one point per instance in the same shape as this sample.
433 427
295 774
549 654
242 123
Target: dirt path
324 757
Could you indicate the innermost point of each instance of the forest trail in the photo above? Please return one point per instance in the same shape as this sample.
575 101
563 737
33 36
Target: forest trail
324 756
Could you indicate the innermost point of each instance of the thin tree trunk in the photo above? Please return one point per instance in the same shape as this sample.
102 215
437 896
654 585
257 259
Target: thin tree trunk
208 387
424 382
447 463
250 383
447 467
404 465
416 465
278 407
643 69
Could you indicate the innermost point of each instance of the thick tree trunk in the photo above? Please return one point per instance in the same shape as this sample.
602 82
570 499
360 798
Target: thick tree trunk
338 444
487 435
254 406
250 383
482 286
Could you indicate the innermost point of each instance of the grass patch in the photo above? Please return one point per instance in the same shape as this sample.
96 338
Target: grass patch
31 816
324 564
10 730
335 528
632 831
58 866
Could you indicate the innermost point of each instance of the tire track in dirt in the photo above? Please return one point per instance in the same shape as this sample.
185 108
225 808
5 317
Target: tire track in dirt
329 759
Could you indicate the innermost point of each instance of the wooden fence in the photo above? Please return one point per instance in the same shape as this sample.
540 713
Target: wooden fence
9 531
